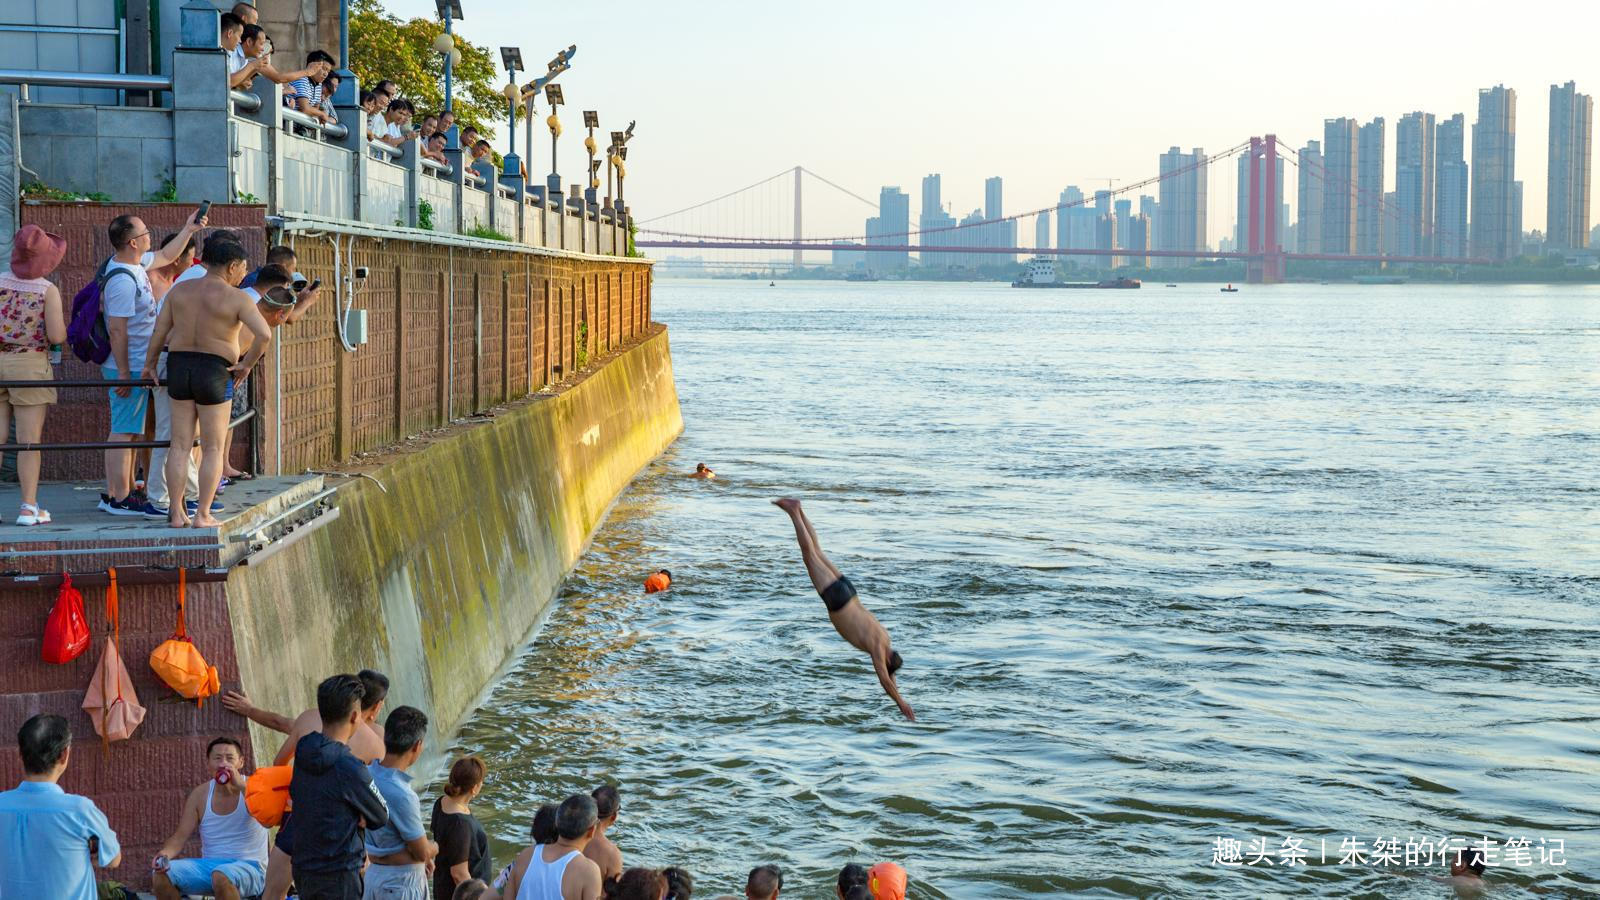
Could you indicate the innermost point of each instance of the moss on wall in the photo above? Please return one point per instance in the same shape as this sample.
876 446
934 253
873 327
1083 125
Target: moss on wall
438 577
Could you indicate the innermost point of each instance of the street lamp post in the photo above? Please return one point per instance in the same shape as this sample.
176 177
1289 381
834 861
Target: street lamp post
512 57
552 95
612 161
449 10
591 121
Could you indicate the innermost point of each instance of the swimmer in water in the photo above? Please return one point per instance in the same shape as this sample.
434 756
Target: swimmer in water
1466 873
701 470
852 620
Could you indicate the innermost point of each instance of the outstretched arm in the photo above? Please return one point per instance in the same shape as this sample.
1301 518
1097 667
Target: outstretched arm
880 663
239 704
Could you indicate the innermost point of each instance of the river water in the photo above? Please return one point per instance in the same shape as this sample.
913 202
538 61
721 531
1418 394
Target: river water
1169 568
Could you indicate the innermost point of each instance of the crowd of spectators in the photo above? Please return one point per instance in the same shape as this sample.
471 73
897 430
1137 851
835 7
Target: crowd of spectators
354 829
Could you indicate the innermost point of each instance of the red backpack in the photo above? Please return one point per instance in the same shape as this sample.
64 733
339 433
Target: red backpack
66 632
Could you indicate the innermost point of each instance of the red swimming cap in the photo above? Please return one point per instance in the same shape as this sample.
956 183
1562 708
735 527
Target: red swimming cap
887 881
657 582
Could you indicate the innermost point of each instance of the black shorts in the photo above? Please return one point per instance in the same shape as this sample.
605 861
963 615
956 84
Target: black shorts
838 594
285 839
201 377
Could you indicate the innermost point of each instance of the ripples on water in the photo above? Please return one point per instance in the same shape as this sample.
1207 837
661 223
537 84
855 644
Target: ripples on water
1307 562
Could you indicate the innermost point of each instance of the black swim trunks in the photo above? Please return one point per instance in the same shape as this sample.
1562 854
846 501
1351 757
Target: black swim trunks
838 594
285 838
201 377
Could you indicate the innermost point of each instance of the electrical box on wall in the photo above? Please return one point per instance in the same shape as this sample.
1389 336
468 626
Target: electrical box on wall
355 327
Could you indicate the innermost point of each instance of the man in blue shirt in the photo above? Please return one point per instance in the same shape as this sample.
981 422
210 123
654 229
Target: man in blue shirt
48 836
401 854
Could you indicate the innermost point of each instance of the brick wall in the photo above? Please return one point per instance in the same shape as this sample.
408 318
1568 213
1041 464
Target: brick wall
139 783
82 414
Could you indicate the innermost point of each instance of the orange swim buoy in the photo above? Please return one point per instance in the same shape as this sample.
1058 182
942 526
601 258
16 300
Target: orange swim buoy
887 881
660 581
266 794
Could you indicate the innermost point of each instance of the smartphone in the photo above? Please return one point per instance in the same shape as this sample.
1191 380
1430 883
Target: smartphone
205 207
316 283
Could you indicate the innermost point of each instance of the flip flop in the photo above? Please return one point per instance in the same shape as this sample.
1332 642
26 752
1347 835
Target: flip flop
243 476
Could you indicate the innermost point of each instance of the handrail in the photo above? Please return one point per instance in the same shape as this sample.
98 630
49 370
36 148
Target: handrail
504 192
438 168
385 149
473 178
336 130
245 101
246 416
46 78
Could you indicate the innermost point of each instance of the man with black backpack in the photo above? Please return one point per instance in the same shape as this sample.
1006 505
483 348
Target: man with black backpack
129 308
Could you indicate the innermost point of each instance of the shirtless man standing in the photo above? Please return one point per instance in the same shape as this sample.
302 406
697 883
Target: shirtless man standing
852 620
366 742
199 327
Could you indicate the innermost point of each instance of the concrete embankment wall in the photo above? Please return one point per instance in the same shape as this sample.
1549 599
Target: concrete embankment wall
437 577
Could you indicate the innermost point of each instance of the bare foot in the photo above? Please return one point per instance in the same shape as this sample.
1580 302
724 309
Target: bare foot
788 505
206 520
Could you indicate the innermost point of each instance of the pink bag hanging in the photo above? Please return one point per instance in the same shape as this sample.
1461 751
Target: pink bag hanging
111 703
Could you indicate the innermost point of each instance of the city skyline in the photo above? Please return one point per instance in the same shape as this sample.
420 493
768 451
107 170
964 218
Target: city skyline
767 82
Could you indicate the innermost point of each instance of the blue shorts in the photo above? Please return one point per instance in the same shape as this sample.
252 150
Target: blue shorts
127 413
193 876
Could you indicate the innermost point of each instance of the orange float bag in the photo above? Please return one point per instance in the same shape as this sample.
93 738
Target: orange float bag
111 704
178 662
66 632
266 794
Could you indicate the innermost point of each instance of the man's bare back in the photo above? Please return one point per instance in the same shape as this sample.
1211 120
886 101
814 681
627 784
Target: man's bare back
852 620
206 316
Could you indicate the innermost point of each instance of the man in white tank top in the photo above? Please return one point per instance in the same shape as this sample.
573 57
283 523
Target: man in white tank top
560 871
233 845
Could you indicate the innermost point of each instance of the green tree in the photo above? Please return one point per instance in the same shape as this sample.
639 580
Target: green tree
384 47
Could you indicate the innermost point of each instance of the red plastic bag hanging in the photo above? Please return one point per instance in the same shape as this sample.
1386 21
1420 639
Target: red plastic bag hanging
179 663
66 632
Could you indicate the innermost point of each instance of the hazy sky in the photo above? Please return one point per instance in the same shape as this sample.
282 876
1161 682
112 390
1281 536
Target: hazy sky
1046 94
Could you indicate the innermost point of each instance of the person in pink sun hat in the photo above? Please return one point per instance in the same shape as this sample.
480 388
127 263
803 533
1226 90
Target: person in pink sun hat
31 319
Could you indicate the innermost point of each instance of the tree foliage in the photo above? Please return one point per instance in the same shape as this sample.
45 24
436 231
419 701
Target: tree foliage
384 47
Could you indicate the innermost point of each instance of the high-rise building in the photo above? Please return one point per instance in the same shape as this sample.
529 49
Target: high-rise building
1139 237
1414 184
891 226
1241 224
935 225
1516 216
1308 228
1339 153
1124 211
1450 196
971 234
1182 225
997 233
1370 215
1494 230
1041 231
1105 227
1074 221
1571 144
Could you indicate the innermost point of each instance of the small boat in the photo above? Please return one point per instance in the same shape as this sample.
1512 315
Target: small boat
860 276
1042 273
772 284
1171 285
1230 289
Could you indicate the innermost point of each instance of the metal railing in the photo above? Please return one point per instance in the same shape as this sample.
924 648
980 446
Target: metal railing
111 80
244 101
246 416
436 168
331 130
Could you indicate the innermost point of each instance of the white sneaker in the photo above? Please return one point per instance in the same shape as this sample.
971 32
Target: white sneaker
33 515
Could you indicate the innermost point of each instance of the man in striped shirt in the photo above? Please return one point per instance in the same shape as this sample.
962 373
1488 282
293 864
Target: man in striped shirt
304 94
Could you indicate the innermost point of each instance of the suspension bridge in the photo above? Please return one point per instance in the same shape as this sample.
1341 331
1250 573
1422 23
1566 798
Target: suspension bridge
762 210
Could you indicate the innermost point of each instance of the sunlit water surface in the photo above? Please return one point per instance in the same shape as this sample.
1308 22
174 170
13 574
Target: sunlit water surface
1166 566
